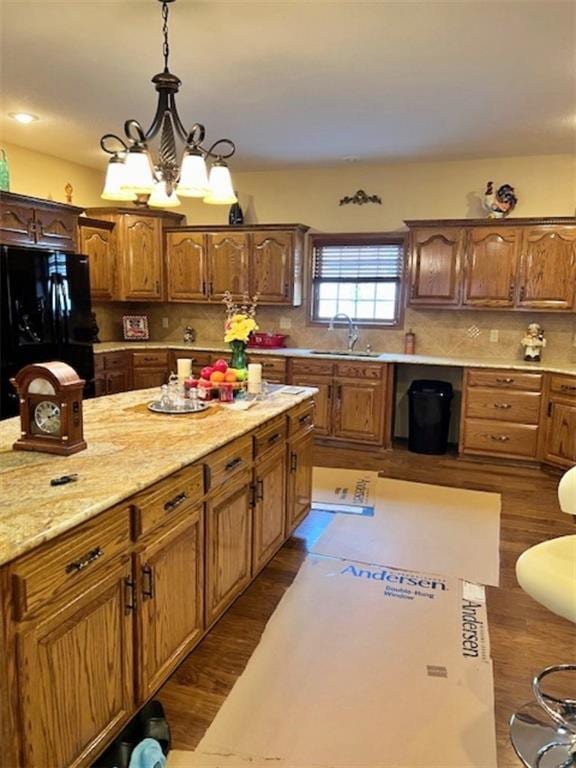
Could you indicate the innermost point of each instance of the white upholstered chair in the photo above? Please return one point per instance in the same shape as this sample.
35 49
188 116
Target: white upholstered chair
543 732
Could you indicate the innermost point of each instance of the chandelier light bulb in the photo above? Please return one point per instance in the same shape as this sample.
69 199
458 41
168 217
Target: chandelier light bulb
115 174
159 198
138 177
193 175
221 191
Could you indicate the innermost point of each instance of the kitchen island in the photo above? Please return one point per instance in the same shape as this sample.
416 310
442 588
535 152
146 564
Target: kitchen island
109 581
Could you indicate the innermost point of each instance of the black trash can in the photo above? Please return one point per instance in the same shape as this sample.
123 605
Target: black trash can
429 420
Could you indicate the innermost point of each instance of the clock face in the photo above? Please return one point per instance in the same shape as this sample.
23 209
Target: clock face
47 417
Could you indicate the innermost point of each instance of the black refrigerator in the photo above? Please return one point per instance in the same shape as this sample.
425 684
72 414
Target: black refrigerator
45 315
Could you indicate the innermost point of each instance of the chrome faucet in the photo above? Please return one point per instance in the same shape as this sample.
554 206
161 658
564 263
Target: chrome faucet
353 333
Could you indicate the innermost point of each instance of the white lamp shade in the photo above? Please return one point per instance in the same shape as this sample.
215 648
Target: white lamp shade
567 492
115 174
159 198
193 176
138 176
221 191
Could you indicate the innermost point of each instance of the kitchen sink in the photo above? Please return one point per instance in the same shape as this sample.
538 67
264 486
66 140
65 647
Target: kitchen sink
343 353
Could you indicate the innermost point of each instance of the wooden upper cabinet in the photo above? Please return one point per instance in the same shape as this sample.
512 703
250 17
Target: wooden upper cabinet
228 258
141 276
31 221
97 241
272 256
435 266
186 266
491 266
547 276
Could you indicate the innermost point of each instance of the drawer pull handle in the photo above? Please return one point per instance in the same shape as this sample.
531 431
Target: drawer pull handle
147 582
567 388
500 438
233 463
259 490
79 565
129 595
503 406
505 381
293 462
305 419
274 438
175 502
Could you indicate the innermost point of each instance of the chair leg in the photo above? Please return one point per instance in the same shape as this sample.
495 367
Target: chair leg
543 733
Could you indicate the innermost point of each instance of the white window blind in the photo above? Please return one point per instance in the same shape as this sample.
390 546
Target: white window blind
358 262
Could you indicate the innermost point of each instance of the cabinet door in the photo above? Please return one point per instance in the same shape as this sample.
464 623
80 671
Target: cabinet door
75 673
56 229
187 278
228 264
228 546
118 381
272 254
16 224
144 378
98 245
435 266
560 445
323 400
300 464
141 258
171 587
491 266
548 268
270 510
359 411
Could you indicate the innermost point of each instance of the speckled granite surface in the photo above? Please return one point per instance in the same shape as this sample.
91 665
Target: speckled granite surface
129 448
551 366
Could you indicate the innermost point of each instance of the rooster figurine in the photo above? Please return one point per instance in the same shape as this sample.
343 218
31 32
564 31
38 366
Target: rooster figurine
500 203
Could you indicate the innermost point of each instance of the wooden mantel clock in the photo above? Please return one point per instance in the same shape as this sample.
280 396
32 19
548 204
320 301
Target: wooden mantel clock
50 397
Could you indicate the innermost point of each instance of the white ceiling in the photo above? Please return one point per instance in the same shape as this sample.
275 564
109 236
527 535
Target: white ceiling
306 82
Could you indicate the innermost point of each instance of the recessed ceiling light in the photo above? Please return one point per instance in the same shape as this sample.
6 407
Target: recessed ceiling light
351 159
23 117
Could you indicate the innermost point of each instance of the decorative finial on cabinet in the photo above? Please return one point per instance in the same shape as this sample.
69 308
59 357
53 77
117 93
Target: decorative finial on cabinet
69 190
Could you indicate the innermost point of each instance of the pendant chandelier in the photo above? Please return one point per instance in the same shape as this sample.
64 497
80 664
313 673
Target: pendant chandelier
134 175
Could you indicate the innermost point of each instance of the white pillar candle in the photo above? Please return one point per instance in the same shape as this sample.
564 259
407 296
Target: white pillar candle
184 368
254 378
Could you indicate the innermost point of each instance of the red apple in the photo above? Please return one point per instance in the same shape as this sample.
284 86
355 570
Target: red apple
220 365
206 372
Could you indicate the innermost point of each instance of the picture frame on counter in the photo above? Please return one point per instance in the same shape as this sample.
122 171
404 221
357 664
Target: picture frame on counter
135 328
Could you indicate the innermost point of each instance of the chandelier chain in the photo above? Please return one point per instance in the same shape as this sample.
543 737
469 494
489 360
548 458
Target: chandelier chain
166 45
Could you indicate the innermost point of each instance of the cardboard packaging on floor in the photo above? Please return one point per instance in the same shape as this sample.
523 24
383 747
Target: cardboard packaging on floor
431 528
362 667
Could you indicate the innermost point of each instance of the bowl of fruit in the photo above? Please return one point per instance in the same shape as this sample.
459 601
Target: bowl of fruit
219 381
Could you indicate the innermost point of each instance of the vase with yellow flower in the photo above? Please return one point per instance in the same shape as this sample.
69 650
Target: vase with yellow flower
240 323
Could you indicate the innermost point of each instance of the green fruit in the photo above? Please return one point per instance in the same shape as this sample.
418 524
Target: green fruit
241 373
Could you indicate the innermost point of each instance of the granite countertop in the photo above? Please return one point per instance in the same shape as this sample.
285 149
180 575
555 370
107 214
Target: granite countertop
550 366
129 448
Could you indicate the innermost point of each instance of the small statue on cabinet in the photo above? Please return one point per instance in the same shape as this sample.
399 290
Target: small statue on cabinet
189 335
533 343
500 203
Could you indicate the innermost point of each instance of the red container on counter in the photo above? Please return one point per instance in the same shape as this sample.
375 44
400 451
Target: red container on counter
267 340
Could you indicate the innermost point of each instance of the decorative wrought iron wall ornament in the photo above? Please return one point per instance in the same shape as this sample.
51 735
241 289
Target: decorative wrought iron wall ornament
360 198
133 172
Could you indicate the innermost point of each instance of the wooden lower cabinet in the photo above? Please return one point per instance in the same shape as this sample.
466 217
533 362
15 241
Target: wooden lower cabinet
323 400
170 577
228 545
269 518
359 410
559 444
300 464
111 373
75 673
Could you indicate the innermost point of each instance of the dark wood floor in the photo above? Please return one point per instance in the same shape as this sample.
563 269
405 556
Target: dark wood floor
525 637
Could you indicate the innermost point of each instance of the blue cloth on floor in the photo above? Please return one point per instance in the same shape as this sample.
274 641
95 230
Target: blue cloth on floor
147 754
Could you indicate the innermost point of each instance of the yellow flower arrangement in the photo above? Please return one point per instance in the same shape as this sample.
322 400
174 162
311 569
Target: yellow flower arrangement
238 328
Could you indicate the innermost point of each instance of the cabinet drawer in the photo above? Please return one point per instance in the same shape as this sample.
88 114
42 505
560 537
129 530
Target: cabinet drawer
520 407
359 370
158 503
150 357
563 385
66 562
301 418
114 360
317 367
272 367
228 462
269 437
496 437
529 382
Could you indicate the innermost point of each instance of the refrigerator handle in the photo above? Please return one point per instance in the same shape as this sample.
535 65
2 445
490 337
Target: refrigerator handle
64 311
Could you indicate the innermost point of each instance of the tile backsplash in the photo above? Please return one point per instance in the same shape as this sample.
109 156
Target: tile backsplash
438 332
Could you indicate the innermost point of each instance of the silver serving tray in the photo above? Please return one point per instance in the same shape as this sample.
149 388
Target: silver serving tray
187 407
